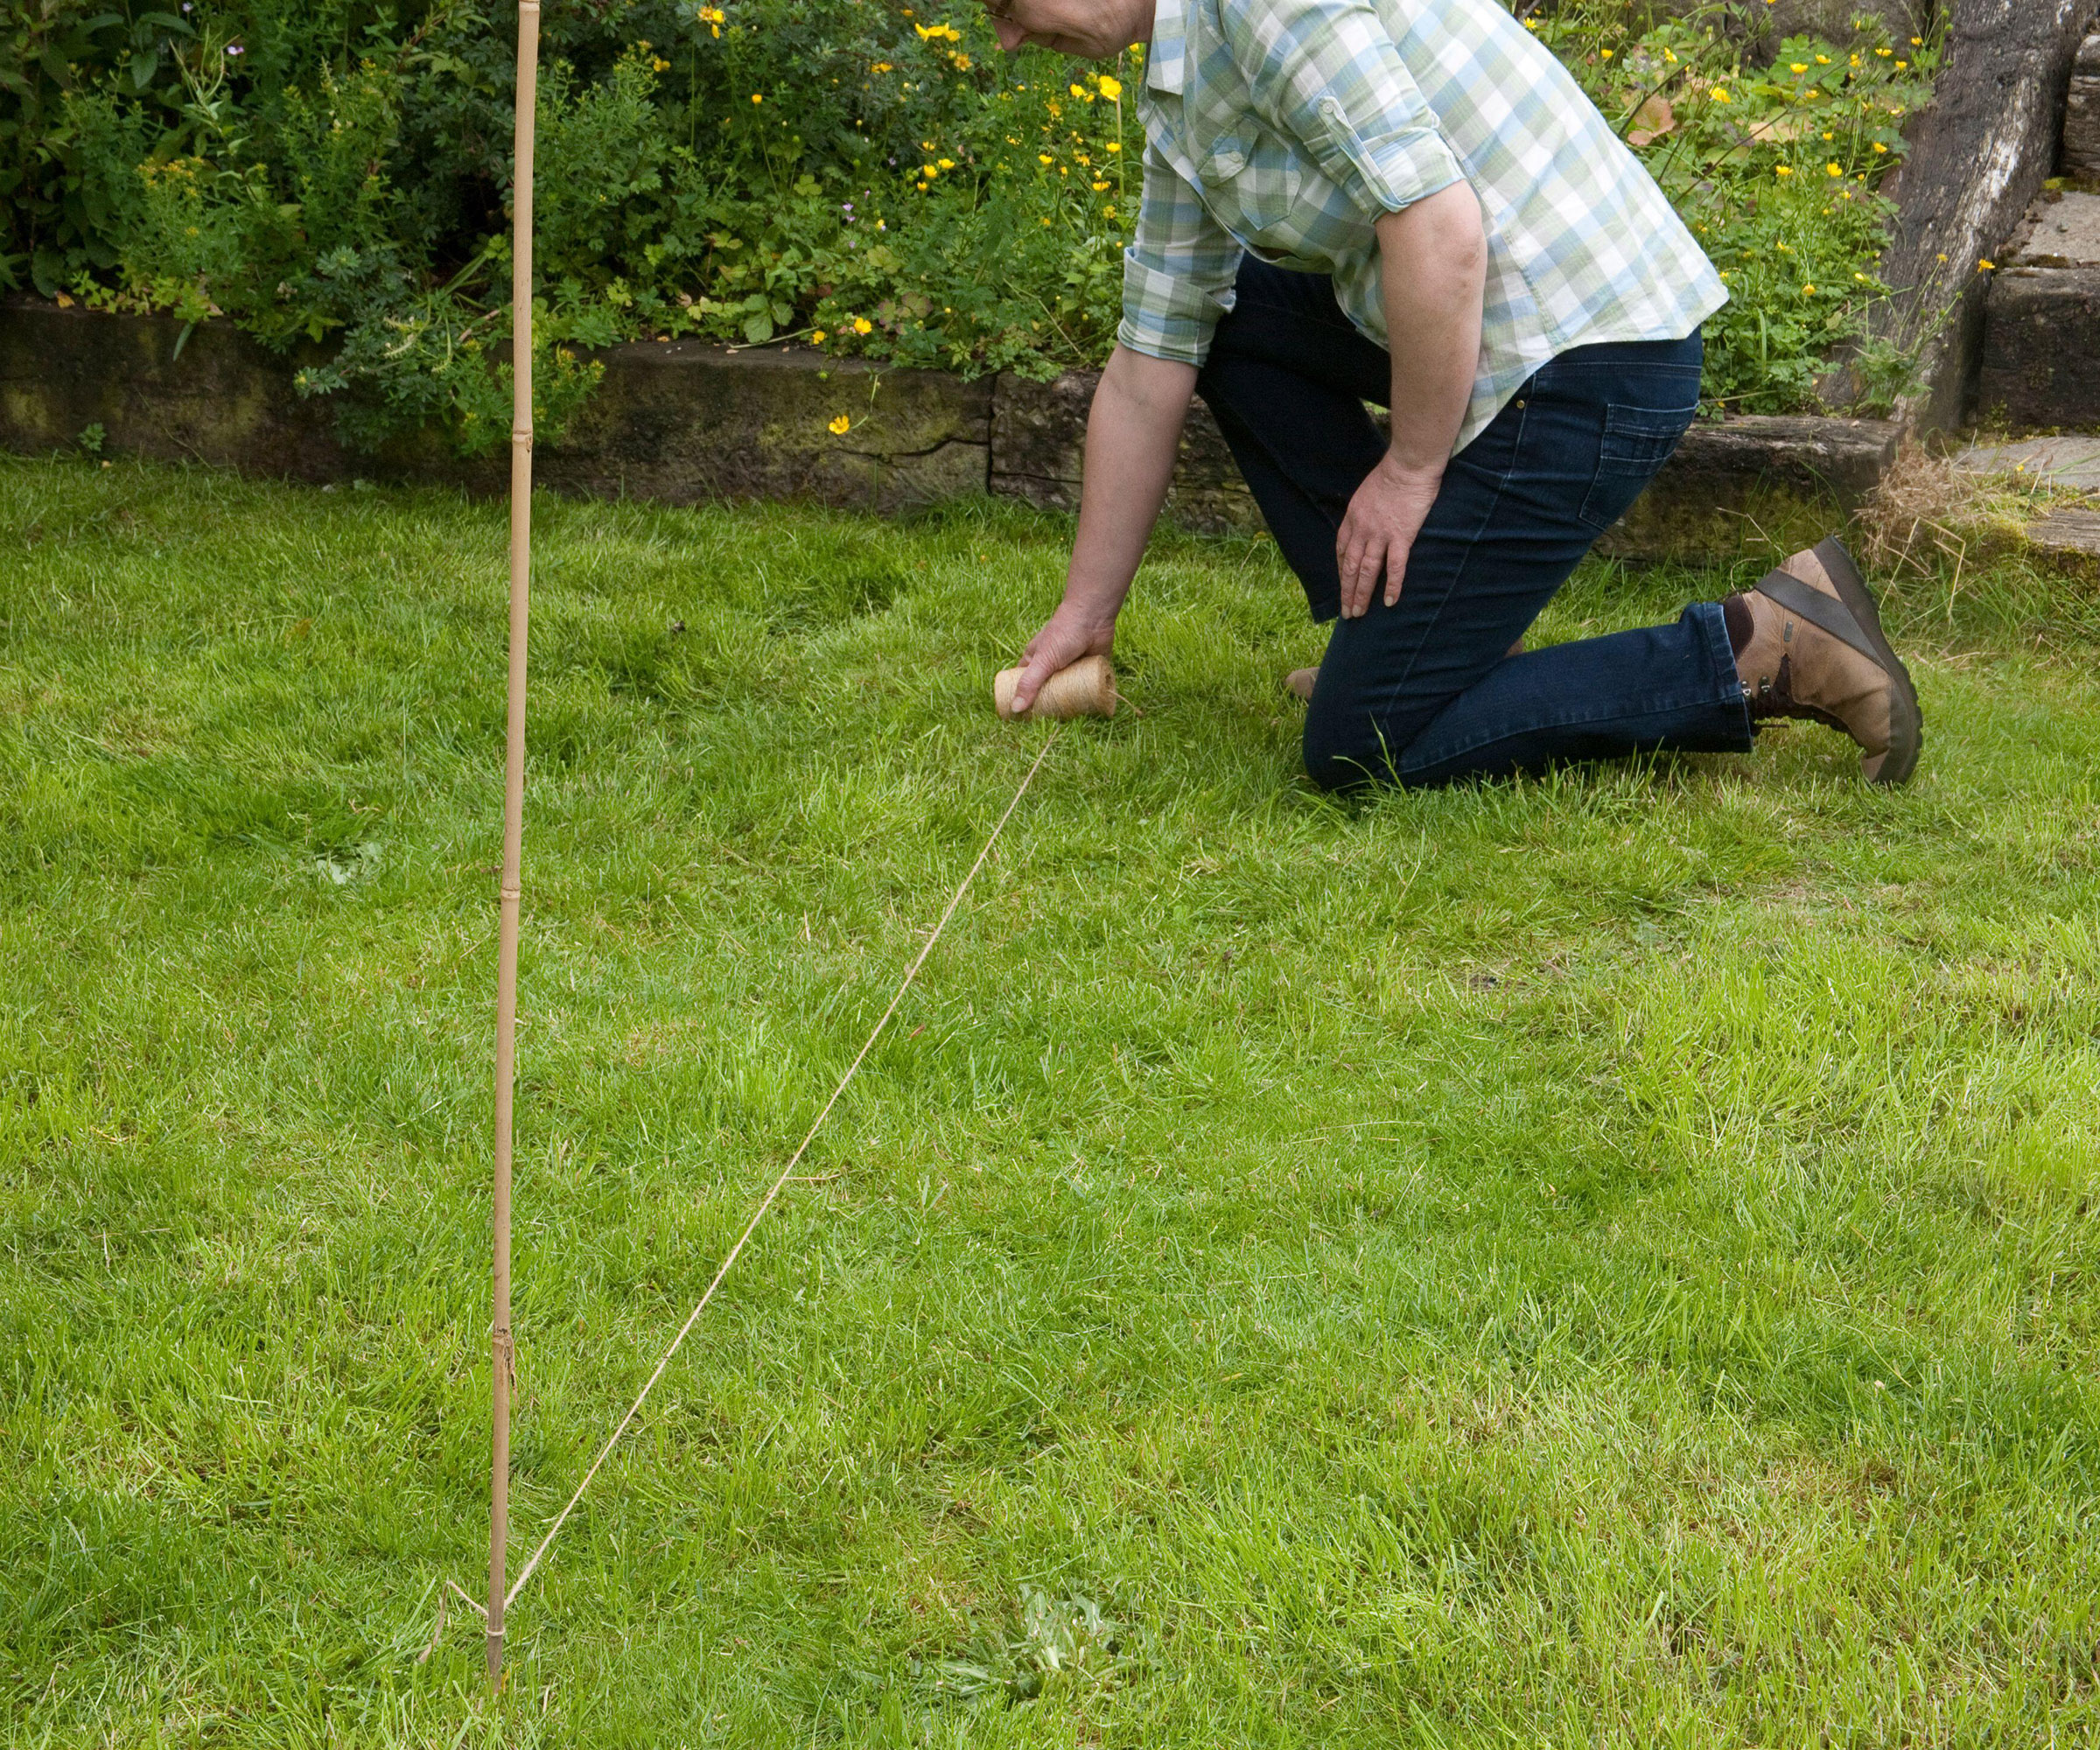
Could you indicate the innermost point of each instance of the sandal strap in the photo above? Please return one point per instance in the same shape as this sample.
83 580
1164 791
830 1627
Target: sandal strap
1810 603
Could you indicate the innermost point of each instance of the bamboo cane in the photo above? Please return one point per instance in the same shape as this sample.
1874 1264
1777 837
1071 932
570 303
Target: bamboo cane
509 894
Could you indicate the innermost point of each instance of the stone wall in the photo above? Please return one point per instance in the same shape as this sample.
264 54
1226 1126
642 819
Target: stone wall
683 423
2081 114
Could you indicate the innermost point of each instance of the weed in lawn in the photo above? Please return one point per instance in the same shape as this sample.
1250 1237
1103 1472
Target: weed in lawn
1606 1258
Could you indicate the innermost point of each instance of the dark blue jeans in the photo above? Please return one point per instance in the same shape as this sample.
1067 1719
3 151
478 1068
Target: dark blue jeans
1421 692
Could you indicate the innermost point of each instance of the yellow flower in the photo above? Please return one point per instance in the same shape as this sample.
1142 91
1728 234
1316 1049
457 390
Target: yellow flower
1884 54
1077 90
1784 169
1798 65
1608 54
817 337
1901 65
1917 42
862 326
758 97
1985 267
1720 94
1807 290
1115 146
1044 158
1833 170
1822 60
1879 147
1111 87
1109 212
1099 186
882 66
948 163
839 426
658 64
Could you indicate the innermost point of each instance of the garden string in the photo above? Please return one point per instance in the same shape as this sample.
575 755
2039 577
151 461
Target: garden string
787 1173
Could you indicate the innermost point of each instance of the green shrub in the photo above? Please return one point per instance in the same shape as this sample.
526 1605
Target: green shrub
333 176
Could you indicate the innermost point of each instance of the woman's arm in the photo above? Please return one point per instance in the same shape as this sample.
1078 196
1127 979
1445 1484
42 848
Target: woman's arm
1133 434
1434 261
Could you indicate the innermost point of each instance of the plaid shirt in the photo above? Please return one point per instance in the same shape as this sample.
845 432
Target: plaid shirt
1290 127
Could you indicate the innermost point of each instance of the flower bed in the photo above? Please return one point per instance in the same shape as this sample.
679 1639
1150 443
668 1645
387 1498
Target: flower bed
872 179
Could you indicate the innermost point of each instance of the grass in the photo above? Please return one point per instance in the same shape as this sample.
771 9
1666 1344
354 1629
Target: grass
1604 1259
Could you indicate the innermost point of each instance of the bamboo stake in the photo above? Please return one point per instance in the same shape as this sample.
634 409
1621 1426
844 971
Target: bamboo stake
502 1369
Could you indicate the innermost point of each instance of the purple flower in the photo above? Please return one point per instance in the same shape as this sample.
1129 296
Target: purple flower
235 48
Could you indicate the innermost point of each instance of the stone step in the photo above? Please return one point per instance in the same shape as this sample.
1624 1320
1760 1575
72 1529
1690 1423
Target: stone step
2070 540
2069 462
2041 350
2062 229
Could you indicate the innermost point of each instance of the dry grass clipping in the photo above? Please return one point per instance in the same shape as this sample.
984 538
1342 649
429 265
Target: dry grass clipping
1929 508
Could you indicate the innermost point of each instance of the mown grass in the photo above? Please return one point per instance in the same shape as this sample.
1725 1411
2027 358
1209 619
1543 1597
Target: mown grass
1605 1259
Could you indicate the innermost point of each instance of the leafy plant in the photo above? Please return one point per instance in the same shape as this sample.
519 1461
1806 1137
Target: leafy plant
1774 152
335 177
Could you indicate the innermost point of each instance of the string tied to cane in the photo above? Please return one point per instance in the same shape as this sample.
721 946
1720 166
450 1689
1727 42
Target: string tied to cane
785 1177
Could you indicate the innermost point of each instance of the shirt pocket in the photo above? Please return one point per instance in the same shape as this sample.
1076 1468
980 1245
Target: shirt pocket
1252 181
1635 443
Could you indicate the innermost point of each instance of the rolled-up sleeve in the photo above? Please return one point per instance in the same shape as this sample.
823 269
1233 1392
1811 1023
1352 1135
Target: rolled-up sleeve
1178 272
1353 102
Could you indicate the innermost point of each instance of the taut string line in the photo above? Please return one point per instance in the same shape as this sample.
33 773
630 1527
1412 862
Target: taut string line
787 1173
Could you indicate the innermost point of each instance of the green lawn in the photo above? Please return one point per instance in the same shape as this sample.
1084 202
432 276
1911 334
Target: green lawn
1607 1259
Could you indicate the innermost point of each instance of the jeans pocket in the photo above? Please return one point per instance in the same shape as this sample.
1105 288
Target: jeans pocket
1637 441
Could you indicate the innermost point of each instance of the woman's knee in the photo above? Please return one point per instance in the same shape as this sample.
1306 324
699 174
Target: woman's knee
1342 750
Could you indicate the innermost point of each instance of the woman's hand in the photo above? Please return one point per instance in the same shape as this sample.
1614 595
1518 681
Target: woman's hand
1072 632
1385 516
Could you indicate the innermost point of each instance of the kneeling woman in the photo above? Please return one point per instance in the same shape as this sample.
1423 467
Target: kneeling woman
1374 200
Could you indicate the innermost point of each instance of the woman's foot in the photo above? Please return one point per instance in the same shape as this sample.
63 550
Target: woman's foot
1816 650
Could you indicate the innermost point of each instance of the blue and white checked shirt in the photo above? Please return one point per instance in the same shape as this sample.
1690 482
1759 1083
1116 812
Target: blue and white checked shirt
1290 127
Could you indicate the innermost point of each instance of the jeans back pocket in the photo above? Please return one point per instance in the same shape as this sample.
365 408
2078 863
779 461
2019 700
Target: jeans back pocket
1636 442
